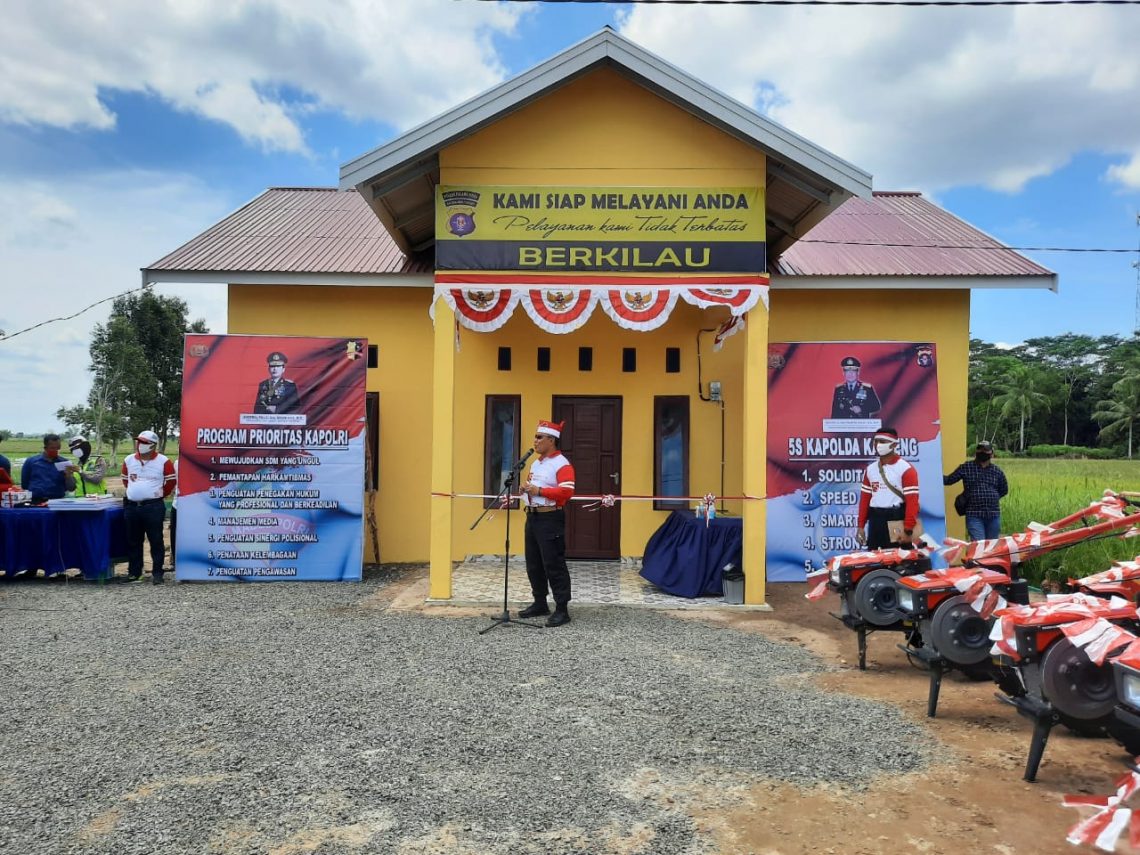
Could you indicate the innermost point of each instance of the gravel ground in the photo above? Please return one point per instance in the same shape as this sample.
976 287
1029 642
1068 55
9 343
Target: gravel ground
295 718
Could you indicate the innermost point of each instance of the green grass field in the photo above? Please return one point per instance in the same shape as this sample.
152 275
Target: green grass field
18 448
1046 490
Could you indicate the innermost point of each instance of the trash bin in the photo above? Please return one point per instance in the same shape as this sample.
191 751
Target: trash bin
732 584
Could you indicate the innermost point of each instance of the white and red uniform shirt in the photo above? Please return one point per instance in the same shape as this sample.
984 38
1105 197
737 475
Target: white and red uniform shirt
873 493
148 479
555 476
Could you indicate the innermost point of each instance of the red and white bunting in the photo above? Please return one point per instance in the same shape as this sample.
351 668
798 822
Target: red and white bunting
484 302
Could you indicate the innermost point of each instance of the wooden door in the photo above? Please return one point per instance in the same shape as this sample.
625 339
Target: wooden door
591 440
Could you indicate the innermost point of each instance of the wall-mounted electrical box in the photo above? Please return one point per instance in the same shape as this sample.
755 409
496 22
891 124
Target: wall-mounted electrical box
714 390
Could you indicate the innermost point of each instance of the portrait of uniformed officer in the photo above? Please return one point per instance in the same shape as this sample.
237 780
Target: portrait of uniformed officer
854 399
277 395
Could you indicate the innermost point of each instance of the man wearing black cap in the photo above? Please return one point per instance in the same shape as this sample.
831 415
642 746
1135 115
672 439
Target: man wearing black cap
984 485
852 398
277 395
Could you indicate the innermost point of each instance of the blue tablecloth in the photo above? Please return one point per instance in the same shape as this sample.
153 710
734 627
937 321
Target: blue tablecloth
54 541
685 558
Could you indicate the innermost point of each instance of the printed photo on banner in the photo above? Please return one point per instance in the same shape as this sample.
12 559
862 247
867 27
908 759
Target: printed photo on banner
826 401
271 472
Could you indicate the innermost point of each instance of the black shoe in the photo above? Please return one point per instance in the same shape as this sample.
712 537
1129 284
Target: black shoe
156 578
135 578
535 609
559 617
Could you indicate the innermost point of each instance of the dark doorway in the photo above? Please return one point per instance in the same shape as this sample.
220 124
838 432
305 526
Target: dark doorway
591 439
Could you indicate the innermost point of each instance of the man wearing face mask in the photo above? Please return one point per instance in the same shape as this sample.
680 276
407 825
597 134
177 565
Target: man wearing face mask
889 492
92 470
985 485
149 478
47 475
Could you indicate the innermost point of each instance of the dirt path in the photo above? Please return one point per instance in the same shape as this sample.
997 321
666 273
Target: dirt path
973 801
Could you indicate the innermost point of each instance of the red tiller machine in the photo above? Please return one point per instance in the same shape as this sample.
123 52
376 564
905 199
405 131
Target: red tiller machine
1120 580
1060 651
953 610
865 583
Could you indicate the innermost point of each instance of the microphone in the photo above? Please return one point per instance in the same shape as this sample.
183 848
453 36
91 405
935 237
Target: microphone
524 459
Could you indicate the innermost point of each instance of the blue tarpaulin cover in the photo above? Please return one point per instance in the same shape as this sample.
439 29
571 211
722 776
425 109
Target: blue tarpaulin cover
685 557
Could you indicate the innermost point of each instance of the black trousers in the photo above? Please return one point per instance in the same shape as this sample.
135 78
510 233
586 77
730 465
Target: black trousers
546 556
144 520
173 533
878 537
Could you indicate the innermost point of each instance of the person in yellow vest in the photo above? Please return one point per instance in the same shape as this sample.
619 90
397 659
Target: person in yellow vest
91 478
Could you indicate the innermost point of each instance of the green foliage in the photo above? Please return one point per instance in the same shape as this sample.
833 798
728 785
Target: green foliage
5 434
136 362
1077 451
1050 391
1047 490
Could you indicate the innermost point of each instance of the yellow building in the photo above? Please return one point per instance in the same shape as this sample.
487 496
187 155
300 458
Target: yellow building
617 126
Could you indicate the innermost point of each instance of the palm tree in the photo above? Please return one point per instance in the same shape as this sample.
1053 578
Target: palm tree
1118 414
1019 393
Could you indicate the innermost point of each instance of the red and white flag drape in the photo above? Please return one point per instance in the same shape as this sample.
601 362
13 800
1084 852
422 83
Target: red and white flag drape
484 302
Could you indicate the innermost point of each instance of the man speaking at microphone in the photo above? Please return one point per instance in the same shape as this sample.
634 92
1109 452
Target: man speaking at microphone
547 490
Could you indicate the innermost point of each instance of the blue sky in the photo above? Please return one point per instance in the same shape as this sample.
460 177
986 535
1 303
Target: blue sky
127 127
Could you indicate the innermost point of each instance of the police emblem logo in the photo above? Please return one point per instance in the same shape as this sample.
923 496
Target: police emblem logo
776 360
199 350
924 356
461 206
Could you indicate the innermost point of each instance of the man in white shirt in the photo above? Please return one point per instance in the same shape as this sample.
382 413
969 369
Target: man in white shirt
149 479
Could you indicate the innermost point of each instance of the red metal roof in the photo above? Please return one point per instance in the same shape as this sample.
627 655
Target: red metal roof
900 234
296 230
319 230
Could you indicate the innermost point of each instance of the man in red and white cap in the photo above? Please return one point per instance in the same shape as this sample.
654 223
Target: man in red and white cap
889 492
547 490
149 478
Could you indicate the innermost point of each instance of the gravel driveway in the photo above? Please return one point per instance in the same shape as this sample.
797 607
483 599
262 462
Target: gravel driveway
294 718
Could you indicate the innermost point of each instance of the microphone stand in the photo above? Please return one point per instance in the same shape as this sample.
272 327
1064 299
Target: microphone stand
504 498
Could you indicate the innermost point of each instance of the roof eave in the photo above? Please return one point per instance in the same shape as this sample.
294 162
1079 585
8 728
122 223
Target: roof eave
870 282
152 276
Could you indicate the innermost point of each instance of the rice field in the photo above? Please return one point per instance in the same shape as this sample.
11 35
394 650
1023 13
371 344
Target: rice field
1046 490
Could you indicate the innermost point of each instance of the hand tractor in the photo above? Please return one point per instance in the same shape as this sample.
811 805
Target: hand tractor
953 610
865 583
1059 650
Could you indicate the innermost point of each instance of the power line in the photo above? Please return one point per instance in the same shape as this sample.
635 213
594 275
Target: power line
69 317
821 241
831 2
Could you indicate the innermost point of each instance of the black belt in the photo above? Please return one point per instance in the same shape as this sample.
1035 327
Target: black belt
131 503
540 509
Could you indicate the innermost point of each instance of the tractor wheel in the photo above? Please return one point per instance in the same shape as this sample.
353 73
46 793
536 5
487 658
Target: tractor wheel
1083 694
959 633
876 599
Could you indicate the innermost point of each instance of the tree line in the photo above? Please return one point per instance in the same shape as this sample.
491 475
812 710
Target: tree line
1069 390
136 368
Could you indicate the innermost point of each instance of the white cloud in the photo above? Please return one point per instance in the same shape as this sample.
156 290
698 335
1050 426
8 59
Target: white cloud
395 61
924 98
73 244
